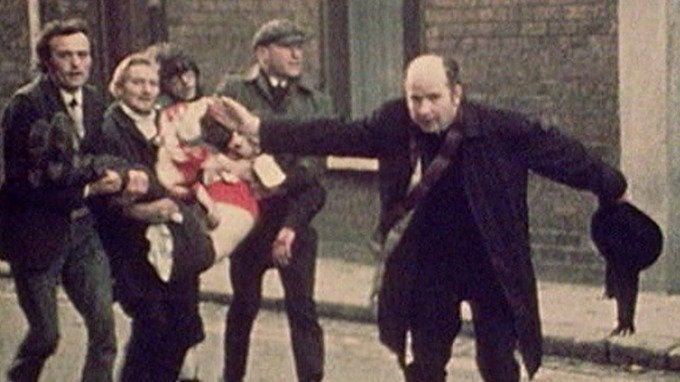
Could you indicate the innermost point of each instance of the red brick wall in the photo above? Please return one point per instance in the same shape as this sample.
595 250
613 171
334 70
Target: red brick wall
555 60
218 33
14 47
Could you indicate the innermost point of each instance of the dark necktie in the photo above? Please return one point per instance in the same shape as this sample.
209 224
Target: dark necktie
278 93
76 113
432 174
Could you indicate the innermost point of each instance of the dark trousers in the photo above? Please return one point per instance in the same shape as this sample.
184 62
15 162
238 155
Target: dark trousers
437 322
162 332
85 276
246 272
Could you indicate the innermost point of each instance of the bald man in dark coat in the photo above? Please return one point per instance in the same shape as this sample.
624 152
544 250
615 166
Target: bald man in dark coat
468 237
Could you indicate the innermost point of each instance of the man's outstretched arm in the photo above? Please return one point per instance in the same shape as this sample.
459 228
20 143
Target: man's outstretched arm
370 137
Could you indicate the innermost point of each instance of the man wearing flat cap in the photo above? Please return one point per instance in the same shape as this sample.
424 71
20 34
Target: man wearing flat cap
283 238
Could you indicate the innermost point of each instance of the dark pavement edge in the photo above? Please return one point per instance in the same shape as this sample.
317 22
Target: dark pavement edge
601 351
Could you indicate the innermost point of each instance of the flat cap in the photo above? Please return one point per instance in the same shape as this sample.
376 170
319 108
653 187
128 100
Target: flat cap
280 31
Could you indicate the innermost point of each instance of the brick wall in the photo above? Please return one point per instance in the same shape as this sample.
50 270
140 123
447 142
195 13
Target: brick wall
553 59
557 61
218 33
14 47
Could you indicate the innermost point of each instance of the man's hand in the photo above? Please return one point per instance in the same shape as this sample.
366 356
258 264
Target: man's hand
110 183
282 248
137 185
138 182
623 330
159 211
235 117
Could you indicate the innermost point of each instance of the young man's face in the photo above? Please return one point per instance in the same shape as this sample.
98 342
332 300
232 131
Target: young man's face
240 147
140 88
432 103
183 86
70 60
284 61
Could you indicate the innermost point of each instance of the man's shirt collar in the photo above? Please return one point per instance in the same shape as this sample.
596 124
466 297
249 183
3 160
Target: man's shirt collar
68 97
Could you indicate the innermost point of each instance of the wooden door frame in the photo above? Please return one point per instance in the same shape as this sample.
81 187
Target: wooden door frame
335 50
126 26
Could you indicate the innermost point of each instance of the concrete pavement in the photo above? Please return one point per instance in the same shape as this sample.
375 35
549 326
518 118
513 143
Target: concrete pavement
576 319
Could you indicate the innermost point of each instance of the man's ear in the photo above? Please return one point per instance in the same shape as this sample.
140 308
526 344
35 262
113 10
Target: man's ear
457 93
262 54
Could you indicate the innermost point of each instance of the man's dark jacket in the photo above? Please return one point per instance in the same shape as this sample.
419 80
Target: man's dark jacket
35 217
294 204
498 150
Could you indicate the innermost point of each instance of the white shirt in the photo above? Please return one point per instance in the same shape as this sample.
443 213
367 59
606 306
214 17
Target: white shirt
278 82
74 106
417 174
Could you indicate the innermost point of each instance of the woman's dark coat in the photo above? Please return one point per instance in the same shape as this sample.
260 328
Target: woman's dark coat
498 150
125 238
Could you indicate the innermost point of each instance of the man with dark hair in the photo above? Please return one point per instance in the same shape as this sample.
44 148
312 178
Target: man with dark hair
284 237
468 236
48 232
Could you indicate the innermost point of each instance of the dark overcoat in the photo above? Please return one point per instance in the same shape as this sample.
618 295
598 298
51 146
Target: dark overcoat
498 150
35 218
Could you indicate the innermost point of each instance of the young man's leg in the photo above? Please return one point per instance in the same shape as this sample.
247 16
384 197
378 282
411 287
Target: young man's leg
37 295
86 278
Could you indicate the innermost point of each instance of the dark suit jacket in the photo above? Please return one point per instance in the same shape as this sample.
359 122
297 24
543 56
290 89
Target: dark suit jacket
499 149
36 217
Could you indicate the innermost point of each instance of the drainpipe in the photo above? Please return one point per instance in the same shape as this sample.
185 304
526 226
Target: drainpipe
33 28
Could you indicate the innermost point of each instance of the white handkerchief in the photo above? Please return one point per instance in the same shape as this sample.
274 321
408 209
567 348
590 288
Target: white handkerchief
160 249
268 171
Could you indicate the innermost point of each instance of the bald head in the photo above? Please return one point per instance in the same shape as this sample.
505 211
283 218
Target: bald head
432 65
432 92
428 67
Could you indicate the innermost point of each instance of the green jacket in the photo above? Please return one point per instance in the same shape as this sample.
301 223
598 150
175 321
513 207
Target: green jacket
303 195
252 90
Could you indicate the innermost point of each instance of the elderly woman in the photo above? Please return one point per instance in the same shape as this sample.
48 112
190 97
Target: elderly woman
161 297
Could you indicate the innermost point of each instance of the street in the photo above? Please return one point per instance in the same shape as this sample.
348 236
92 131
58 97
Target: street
352 350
